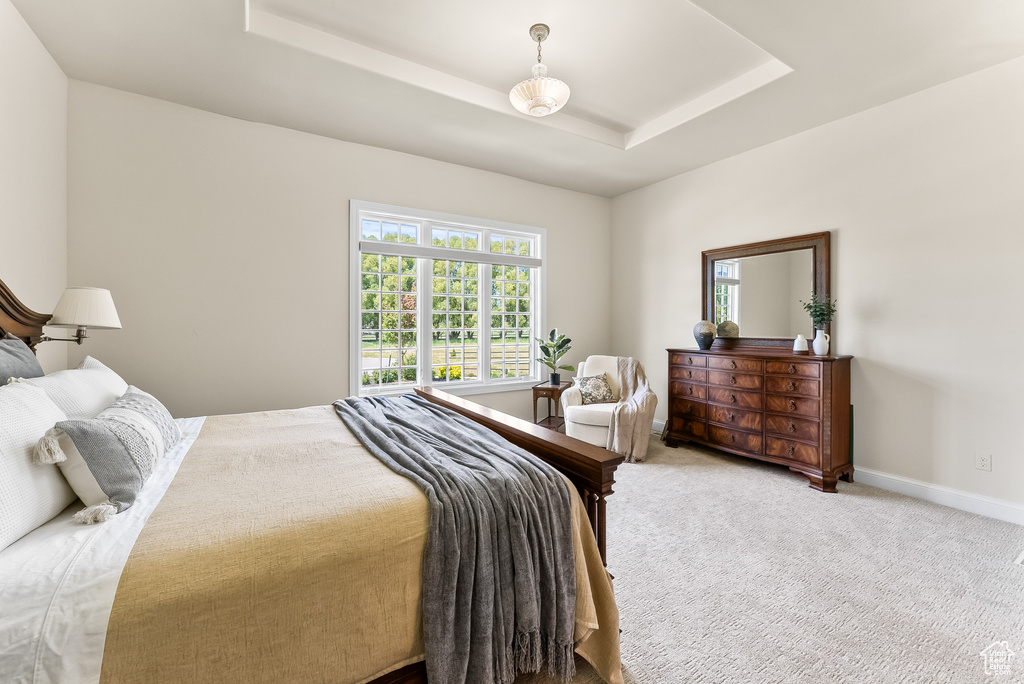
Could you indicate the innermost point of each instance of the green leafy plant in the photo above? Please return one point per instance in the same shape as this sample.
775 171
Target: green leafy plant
553 348
821 310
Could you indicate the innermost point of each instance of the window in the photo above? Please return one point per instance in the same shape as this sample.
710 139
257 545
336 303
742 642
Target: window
727 291
443 300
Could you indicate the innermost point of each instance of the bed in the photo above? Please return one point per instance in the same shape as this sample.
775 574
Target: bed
315 578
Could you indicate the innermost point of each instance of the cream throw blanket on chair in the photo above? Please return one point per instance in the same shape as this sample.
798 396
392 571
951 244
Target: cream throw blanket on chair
633 416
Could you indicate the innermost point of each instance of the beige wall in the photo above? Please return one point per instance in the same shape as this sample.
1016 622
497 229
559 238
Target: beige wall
924 200
225 245
33 173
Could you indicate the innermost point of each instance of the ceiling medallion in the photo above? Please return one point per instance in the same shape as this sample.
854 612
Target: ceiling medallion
540 95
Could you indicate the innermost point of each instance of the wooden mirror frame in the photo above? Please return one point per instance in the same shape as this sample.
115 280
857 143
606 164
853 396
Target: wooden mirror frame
818 243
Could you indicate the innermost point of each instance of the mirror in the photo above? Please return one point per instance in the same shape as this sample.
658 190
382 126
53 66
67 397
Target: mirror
759 286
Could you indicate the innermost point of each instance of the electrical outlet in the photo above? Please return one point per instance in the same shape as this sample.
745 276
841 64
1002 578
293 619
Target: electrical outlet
983 462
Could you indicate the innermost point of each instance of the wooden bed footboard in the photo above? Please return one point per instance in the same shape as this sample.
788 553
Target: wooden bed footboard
591 469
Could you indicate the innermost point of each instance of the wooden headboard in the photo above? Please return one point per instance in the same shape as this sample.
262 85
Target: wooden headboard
18 319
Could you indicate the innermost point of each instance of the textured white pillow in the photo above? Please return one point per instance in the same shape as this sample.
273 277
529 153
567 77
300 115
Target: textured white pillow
30 494
84 391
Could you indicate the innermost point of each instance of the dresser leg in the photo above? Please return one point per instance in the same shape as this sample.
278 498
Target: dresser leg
822 482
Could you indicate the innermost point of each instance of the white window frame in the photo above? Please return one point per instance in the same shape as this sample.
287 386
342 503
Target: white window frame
425 253
733 284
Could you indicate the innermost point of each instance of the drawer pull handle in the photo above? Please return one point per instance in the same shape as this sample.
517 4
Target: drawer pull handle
790 387
731 417
689 360
732 364
790 450
732 438
689 374
792 405
792 368
732 398
791 427
689 390
732 379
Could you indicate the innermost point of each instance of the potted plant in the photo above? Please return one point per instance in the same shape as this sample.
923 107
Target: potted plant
552 349
822 311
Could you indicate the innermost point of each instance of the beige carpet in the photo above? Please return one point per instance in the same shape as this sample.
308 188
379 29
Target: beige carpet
731 570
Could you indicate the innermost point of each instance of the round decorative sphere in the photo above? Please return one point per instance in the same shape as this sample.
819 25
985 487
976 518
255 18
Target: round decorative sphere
728 329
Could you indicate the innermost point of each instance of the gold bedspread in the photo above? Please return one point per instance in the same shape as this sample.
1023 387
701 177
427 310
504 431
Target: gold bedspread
283 551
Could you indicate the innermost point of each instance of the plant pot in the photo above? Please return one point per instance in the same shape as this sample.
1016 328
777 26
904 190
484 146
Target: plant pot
556 379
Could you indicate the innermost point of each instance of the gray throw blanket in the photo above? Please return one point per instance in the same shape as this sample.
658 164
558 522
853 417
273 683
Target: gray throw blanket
499 582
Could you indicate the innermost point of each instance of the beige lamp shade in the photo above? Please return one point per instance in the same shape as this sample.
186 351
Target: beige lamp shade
85 307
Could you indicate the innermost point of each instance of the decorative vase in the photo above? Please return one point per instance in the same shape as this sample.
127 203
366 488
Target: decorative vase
820 343
556 379
800 345
704 333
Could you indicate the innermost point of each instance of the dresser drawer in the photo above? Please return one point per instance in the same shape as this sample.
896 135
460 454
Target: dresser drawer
738 380
736 364
801 369
730 397
792 385
745 441
675 359
686 390
689 428
746 420
684 408
688 374
801 406
794 451
795 428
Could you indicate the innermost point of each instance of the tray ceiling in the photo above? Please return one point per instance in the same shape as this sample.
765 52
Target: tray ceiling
659 87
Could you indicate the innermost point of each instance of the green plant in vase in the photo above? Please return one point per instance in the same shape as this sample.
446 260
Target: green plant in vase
822 312
551 350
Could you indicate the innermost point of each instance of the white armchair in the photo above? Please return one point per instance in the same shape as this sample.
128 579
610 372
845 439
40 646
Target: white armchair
622 426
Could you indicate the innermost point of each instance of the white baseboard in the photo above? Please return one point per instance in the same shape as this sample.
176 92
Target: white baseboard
947 496
955 498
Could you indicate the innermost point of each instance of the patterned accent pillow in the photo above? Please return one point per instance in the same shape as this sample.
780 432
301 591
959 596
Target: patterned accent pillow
595 389
107 459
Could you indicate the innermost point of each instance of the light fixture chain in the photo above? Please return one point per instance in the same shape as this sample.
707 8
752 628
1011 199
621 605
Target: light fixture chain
538 50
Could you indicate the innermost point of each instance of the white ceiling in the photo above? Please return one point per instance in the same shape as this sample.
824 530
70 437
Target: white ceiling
659 87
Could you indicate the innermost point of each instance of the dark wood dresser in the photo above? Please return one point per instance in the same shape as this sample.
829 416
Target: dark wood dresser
766 403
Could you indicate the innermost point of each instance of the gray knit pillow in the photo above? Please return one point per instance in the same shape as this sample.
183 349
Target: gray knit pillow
595 389
17 360
107 459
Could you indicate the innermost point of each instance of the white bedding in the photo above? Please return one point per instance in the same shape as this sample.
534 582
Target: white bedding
57 584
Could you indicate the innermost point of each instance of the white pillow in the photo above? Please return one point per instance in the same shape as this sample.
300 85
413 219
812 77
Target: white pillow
30 494
84 391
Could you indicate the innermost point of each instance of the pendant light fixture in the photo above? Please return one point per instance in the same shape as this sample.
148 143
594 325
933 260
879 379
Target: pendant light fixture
540 95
